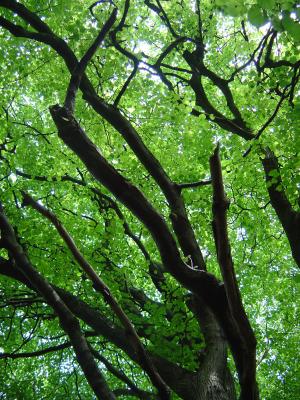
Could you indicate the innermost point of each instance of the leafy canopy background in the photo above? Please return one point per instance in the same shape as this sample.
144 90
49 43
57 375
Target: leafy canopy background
34 160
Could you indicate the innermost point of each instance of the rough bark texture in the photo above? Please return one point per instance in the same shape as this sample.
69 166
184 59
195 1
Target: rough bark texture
218 307
246 357
213 380
289 218
67 320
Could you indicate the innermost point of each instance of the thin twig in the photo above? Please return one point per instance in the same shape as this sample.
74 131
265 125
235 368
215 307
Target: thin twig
269 120
81 66
193 184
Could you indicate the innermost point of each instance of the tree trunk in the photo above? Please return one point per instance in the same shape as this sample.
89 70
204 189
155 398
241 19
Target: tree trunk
214 380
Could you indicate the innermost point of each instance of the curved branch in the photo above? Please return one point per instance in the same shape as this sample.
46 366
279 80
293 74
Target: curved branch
114 206
177 377
68 321
122 377
193 184
179 218
199 282
270 119
158 9
126 84
81 66
289 218
27 15
236 125
76 139
101 287
168 50
42 352
269 63
247 360
43 178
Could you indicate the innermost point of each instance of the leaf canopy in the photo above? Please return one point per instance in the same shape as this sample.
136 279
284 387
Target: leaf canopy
184 80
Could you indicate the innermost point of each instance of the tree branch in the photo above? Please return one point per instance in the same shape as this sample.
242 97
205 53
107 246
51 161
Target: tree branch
179 218
126 84
236 125
101 287
289 218
122 377
68 321
44 178
42 352
75 138
36 353
269 63
193 184
177 377
158 9
27 15
114 206
155 269
270 119
168 50
247 360
199 282
80 68
101 196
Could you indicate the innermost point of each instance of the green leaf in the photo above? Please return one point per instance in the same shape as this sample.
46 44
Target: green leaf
266 4
297 279
257 16
235 9
274 173
141 196
292 27
277 24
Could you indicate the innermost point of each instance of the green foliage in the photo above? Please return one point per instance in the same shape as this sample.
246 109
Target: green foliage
256 16
34 160
283 15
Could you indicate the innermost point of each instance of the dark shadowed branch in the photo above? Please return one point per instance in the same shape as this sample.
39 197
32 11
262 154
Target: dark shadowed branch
101 287
80 68
179 218
289 218
193 184
68 321
135 391
176 377
220 205
42 352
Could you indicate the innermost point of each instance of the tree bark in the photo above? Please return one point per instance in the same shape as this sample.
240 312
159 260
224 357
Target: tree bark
212 381
289 218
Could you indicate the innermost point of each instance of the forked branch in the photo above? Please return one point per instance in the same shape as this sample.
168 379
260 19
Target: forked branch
247 367
101 287
180 220
68 321
81 66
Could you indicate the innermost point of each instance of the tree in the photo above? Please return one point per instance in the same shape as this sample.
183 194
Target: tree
149 214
